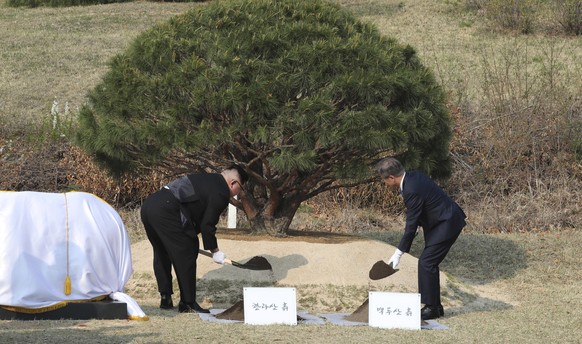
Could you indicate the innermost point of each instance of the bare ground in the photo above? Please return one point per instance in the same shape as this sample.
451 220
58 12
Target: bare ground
330 272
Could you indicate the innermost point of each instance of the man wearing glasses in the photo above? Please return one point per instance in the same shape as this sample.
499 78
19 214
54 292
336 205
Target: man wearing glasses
174 216
442 220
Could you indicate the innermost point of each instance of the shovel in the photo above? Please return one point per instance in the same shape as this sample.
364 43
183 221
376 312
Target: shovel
381 270
255 263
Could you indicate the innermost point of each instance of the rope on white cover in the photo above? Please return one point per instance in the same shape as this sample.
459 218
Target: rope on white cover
68 278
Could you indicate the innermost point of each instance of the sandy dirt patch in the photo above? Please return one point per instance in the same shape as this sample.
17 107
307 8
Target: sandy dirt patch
296 262
330 272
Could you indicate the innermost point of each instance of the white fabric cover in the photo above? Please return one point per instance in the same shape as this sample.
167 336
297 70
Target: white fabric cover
46 236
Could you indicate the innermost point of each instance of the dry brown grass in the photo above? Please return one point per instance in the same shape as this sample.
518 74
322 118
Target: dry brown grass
515 98
517 103
61 53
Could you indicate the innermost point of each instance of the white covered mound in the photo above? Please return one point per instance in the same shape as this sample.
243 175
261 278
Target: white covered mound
60 247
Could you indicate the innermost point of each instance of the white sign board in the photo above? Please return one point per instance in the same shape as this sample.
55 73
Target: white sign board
394 310
265 306
231 223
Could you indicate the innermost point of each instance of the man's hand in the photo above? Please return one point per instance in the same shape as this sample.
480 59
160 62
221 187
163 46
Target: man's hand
395 259
218 257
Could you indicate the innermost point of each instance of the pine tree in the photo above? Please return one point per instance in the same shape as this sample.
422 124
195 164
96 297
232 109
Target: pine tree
300 92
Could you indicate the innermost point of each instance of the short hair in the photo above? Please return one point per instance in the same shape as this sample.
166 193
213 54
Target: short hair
389 167
244 177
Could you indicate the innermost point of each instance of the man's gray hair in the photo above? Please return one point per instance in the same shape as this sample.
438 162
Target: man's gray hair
389 167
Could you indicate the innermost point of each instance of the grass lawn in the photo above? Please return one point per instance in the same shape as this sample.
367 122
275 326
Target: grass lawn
535 280
59 54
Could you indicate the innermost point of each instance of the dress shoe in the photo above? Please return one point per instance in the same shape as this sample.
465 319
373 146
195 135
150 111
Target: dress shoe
430 312
193 307
166 302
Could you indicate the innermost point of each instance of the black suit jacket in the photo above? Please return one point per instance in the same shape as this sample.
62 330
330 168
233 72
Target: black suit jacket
202 197
428 206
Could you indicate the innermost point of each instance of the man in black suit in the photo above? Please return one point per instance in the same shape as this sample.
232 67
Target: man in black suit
174 216
442 220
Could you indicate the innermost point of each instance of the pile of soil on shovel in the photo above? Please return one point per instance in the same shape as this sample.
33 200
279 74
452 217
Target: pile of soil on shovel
260 263
380 270
237 312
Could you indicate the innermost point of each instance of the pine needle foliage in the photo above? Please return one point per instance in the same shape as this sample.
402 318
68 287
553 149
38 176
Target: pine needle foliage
300 92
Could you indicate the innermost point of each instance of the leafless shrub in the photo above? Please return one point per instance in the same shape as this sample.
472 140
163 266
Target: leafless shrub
518 161
513 14
568 14
477 5
125 191
517 153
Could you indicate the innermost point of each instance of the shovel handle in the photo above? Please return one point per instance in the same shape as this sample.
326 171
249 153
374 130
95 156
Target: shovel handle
239 265
208 254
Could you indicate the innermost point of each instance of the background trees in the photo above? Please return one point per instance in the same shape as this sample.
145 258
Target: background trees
301 93
509 175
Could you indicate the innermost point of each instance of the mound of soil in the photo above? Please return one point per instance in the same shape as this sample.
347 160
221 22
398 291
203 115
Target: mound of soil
297 263
360 314
237 312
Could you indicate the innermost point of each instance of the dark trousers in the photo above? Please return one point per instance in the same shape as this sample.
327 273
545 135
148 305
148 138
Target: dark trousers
429 285
172 245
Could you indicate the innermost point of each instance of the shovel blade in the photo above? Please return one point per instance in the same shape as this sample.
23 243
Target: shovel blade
381 270
255 263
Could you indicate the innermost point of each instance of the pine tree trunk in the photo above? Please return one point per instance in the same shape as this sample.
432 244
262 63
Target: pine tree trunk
276 225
